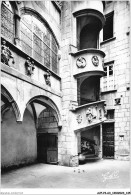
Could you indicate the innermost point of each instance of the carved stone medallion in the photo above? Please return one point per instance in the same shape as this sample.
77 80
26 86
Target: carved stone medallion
81 62
95 61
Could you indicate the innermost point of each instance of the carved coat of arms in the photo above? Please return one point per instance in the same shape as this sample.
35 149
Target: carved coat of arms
81 62
95 60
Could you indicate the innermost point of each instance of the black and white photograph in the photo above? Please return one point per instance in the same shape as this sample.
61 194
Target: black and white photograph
65 97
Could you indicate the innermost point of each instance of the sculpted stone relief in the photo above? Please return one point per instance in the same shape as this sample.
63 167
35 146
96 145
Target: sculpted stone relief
29 66
81 62
6 54
95 60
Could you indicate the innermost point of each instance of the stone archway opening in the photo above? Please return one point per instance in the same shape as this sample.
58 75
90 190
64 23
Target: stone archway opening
47 124
22 140
89 144
47 137
89 90
88 37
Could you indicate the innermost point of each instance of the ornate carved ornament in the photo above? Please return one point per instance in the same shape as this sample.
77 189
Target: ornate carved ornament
117 101
89 115
29 66
95 61
6 54
79 118
81 62
47 78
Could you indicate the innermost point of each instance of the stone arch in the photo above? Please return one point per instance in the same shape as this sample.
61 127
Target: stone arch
47 127
47 102
9 101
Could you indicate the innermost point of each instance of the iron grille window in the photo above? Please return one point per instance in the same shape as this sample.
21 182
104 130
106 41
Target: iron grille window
7 21
108 28
107 82
38 42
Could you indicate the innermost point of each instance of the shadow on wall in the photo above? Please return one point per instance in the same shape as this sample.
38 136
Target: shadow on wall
18 141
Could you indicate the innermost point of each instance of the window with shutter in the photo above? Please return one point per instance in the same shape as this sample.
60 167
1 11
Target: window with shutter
107 82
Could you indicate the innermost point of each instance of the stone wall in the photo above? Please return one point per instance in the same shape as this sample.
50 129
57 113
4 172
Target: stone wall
118 50
18 143
67 140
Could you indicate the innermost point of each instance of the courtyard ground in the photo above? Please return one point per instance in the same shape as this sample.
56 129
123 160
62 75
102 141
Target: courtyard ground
106 174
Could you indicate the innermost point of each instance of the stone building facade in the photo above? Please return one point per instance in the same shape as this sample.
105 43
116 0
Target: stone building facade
64 79
117 95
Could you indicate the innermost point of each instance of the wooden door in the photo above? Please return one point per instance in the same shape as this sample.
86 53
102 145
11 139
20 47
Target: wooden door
52 150
42 147
108 140
47 148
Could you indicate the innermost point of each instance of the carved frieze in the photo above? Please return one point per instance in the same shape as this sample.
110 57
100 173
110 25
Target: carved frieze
95 61
6 54
79 118
29 66
81 62
47 78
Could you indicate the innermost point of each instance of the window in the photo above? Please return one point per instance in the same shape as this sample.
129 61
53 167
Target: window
108 28
110 114
7 21
107 82
38 42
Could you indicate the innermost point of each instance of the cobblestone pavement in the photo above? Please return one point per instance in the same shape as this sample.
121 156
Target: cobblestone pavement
104 174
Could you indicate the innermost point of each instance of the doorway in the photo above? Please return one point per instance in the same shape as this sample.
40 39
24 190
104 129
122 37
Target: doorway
47 137
108 140
47 150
